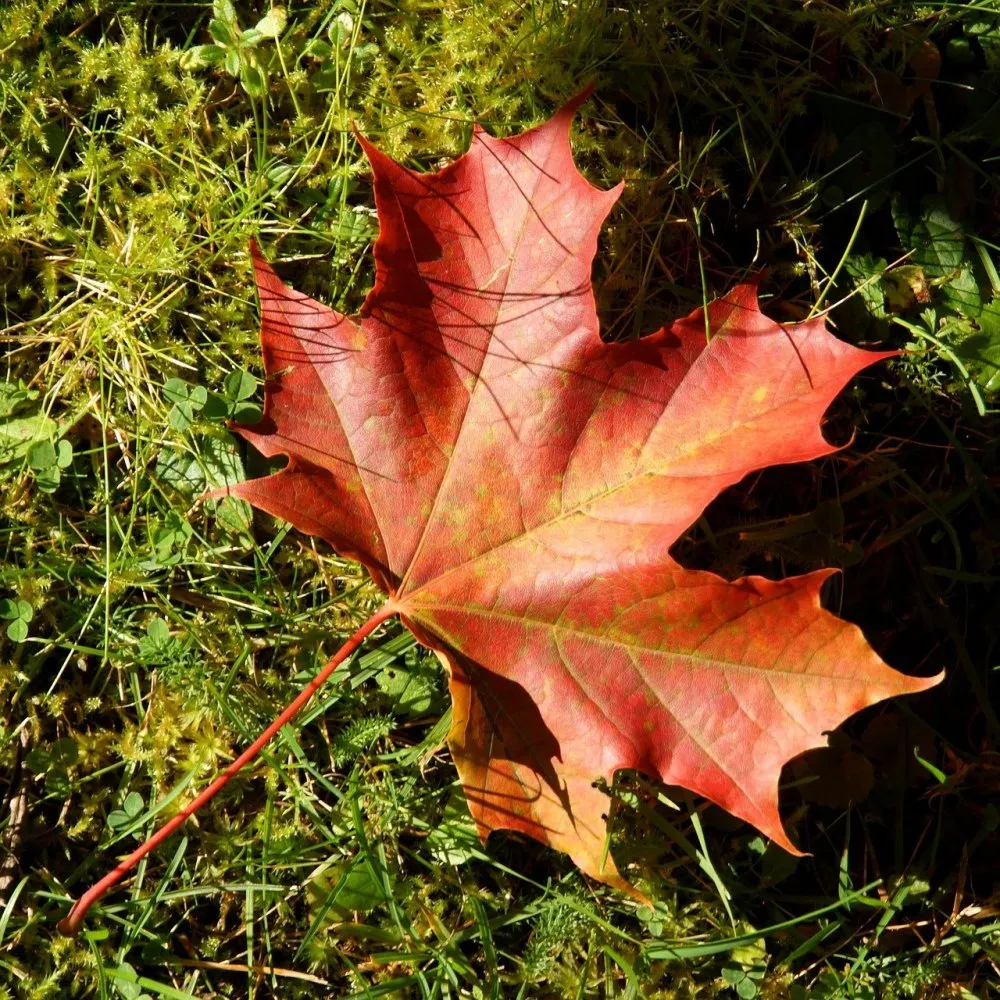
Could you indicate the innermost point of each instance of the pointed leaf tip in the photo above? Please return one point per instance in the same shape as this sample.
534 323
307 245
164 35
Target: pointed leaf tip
577 101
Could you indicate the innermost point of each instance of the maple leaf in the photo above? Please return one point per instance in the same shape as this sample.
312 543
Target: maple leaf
515 485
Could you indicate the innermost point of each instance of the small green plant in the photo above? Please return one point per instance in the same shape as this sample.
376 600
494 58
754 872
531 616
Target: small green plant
18 615
169 540
187 400
453 840
359 736
48 461
234 402
131 810
13 396
157 644
409 685
236 49
341 49
126 983
21 431
653 917
743 981
949 283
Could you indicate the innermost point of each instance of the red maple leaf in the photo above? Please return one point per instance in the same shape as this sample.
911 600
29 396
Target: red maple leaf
515 485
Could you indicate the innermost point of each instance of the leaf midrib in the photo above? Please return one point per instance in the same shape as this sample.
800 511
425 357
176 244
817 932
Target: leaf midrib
500 303
412 610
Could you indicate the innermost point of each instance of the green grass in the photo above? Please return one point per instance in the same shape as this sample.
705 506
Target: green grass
146 638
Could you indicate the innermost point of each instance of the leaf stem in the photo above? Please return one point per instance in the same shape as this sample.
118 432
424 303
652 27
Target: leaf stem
70 924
